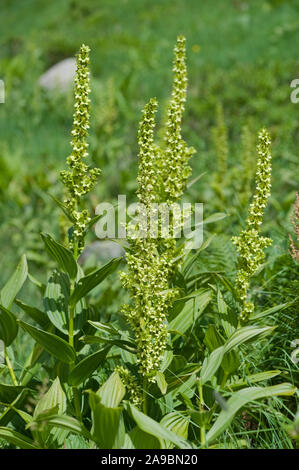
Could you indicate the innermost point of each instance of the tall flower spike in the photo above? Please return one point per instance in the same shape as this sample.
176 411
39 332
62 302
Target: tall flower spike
80 179
295 221
249 243
175 155
148 270
162 176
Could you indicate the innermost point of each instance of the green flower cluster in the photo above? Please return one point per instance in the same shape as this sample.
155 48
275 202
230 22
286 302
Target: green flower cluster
162 177
148 269
129 382
174 154
80 179
249 243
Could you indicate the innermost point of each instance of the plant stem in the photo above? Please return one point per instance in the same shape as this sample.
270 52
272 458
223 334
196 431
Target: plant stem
71 326
77 402
202 409
10 368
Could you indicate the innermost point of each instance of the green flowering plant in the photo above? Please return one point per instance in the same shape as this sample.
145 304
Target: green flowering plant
162 176
165 374
80 179
250 244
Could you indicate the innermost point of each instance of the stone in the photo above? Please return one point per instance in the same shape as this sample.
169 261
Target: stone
60 76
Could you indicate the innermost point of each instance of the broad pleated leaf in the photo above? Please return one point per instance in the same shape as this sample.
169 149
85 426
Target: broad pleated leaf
150 426
66 422
54 399
107 424
161 382
254 378
17 439
14 284
55 396
112 391
53 344
242 335
191 311
56 302
211 364
176 423
142 440
241 398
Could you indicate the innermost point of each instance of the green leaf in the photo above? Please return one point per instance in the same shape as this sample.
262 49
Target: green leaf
10 411
54 401
55 396
150 426
228 320
53 344
17 439
63 208
104 327
56 300
269 311
226 283
215 217
87 283
8 326
241 398
107 424
143 440
8 393
247 333
222 352
120 343
86 367
192 259
211 364
176 423
112 391
213 338
161 382
37 315
62 255
14 284
191 311
67 423
254 378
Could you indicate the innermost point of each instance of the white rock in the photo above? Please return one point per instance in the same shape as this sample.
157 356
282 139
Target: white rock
60 76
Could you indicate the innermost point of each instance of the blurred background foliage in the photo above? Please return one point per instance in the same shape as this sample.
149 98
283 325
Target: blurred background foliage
242 57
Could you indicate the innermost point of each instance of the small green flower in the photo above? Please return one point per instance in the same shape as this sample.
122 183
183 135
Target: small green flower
249 243
80 179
